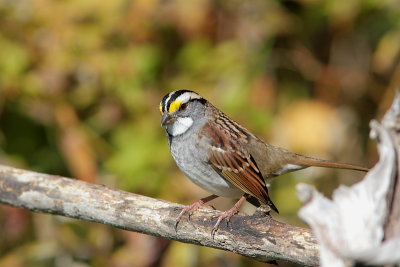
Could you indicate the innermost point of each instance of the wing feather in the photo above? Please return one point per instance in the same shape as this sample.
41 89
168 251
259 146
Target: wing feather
232 162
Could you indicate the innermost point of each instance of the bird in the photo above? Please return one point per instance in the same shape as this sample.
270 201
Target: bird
223 157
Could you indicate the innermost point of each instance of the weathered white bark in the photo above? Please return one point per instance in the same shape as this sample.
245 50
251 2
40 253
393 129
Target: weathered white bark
258 237
360 223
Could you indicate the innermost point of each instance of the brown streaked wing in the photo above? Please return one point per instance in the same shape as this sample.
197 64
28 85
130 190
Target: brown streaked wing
234 164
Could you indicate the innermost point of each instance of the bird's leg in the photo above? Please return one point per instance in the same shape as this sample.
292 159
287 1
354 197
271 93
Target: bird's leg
227 215
191 208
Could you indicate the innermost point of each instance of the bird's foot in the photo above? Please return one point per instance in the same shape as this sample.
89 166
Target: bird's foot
227 215
193 207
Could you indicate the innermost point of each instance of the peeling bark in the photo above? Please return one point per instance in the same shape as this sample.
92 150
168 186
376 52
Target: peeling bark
259 237
362 222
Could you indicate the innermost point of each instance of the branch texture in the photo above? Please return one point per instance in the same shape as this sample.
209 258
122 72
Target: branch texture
361 222
259 237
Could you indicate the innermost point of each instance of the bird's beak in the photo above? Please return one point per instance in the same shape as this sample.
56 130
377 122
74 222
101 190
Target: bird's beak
167 119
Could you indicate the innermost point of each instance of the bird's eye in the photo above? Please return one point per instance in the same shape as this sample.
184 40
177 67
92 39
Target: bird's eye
183 106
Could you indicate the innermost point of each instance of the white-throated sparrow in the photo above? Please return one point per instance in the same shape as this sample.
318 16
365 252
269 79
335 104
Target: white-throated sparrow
223 157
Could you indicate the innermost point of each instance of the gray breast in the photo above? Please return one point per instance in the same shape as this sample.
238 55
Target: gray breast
191 157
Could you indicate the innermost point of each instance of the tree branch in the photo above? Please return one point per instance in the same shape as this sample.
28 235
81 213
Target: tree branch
360 224
259 237
391 122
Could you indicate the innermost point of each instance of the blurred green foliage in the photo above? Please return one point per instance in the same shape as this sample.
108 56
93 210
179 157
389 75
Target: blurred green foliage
80 83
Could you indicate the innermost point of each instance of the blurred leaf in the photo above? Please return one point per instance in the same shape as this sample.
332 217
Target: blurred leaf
139 156
13 62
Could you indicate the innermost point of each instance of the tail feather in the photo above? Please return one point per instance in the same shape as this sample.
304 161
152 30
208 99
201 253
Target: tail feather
307 161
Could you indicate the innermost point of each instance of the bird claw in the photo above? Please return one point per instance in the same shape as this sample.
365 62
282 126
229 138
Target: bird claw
176 226
193 207
188 209
227 215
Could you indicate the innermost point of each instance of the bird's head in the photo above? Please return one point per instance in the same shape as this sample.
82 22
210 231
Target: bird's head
180 109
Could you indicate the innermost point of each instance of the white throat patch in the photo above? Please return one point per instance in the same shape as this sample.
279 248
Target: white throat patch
180 126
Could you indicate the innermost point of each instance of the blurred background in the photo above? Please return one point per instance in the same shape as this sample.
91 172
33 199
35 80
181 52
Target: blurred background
80 83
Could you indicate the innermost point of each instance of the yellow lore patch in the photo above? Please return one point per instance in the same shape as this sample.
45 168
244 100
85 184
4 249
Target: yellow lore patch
174 106
160 107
